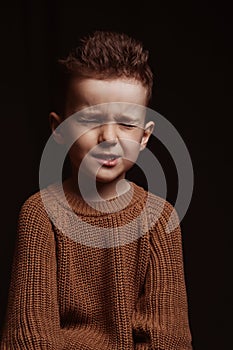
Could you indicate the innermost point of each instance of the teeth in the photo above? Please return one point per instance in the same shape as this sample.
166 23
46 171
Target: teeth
107 157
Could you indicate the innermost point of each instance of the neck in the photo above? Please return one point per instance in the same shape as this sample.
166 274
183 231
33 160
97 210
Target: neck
96 191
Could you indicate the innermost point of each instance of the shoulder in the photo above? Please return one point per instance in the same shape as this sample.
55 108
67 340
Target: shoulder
45 208
159 211
33 209
33 202
34 226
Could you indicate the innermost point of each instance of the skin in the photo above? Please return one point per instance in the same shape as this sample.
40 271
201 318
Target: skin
107 138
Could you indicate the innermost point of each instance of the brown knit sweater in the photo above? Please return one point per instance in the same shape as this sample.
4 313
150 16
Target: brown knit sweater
68 294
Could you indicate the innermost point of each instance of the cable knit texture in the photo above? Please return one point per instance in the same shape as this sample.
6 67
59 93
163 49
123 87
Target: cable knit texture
110 280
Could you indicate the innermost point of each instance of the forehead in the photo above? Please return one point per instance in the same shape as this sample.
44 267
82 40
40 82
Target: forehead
112 111
90 92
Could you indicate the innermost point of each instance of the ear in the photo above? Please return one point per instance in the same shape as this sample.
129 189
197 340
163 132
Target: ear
149 127
55 120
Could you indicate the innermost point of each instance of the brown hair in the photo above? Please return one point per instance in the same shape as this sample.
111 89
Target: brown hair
104 55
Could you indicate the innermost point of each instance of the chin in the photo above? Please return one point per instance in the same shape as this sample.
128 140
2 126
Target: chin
105 180
108 178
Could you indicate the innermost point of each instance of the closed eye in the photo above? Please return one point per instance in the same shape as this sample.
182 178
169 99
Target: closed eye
130 126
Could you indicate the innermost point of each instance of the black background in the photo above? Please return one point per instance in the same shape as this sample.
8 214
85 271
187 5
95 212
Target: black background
190 48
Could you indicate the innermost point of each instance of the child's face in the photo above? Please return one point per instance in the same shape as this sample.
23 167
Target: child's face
112 134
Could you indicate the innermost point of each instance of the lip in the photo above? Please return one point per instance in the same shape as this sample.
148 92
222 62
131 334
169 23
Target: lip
107 159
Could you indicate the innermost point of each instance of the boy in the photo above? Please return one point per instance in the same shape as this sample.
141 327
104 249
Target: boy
104 292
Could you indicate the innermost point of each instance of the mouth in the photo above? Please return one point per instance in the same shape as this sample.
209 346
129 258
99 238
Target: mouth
107 159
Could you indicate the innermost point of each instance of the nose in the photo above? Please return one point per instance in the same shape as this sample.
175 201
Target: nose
108 134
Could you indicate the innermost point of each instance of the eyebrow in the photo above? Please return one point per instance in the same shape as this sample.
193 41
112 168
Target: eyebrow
124 118
101 115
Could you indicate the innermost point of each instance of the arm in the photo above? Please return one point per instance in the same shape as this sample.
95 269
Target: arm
32 319
160 319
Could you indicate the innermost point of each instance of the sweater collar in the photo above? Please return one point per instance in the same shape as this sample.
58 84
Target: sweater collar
72 201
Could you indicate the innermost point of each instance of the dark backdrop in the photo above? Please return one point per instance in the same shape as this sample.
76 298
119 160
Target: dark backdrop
190 52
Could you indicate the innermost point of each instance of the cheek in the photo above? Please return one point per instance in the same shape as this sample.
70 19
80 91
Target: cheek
82 146
134 135
85 141
131 148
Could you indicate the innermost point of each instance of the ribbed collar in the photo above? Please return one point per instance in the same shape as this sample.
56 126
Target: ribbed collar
76 203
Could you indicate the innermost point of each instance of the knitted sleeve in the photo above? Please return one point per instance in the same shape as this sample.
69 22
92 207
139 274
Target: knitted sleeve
32 322
160 319
32 319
